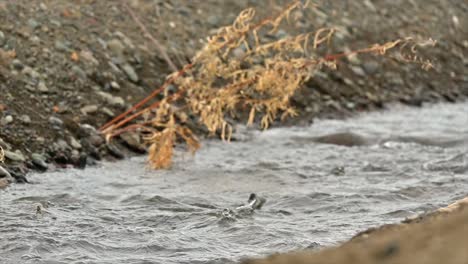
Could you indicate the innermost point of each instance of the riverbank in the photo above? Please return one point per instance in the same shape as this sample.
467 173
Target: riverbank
67 68
438 237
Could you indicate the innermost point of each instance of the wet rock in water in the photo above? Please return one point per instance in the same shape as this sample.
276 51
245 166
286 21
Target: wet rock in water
39 161
133 141
14 156
131 73
338 171
342 139
115 151
19 177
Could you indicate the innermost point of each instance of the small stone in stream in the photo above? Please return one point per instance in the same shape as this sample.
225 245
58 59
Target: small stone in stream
89 109
42 87
132 140
55 122
338 171
115 151
39 161
75 143
25 119
19 177
132 75
14 156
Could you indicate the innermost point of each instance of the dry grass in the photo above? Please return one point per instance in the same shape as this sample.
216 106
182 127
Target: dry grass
239 71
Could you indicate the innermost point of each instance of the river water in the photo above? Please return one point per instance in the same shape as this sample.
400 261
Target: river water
383 168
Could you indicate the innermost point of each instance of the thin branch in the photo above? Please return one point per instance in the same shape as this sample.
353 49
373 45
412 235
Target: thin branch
158 45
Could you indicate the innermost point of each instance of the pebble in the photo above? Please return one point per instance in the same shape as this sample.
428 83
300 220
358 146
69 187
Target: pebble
42 87
132 75
115 151
115 86
4 183
89 109
132 140
25 119
112 100
60 46
17 64
4 145
115 46
5 174
14 156
2 38
74 143
61 145
370 67
8 119
55 121
33 24
39 161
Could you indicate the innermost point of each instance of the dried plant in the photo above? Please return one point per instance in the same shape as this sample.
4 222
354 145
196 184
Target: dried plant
2 155
238 70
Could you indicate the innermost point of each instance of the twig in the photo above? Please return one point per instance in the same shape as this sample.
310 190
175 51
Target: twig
158 45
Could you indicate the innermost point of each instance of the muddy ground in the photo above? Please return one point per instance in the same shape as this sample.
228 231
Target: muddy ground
67 67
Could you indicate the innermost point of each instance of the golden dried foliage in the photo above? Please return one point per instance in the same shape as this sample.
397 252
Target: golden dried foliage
2 155
239 70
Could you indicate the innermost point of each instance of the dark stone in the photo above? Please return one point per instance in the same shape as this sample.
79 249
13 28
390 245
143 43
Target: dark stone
115 151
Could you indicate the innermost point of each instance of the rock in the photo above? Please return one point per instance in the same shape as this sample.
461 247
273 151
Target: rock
7 120
75 143
42 87
115 151
4 183
14 156
2 39
96 140
107 112
39 161
358 71
33 24
61 145
56 122
77 71
133 141
112 100
132 75
4 174
61 46
370 67
89 109
115 86
115 46
25 119
4 145
17 64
